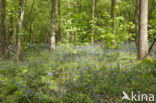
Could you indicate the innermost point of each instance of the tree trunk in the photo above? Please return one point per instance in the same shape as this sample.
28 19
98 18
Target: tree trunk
53 12
14 34
10 29
143 32
10 38
93 15
68 35
137 21
21 16
59 22
2 29
30 21
113 13
80 6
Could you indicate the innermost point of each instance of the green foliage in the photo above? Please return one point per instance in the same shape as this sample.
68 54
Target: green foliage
87 73
149 64
152 25
78 26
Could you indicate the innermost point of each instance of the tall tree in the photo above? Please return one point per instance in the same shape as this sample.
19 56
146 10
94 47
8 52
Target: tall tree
53 13
22 4
2 29
80 6
68 17
113 12
137 20
10 37
59 20
31 20
143 32
93 15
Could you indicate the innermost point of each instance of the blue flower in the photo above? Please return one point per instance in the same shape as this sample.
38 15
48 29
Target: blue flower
24 63
62 95
41 95
90 86
115 74
118 82
50 74
53 92
42 99
102 102
29 91
43 91
93 94
99 97
88 68
61 59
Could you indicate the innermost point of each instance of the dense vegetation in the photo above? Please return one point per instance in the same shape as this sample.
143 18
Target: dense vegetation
76 51
84 74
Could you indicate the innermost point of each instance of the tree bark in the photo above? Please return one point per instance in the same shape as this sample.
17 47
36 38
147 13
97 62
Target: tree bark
10 29
93 15
22 4
53 13
137 21
30 21
80 6
143 32
113 13
10 38
14 34
2 29
68 17
59 22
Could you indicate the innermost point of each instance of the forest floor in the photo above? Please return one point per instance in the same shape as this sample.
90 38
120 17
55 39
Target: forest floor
81 74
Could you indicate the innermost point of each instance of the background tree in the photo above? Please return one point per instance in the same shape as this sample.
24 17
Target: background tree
143 31
93 15
31 20
2 29
113 12
137 6
53 13
22 4
59 21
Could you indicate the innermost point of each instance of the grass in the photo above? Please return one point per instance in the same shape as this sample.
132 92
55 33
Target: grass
81 74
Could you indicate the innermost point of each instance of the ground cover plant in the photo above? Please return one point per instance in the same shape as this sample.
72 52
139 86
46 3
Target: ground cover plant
81 74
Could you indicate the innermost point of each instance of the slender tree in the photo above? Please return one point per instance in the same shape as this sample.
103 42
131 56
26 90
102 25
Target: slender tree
22 4
137 20
31 20
93 15
80 6
10 37
14 34
68 7
53 13
2 29
69 32
113 12
10 29
59 20
143 32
